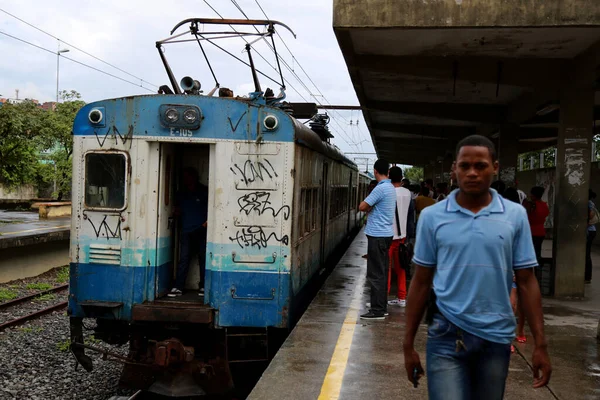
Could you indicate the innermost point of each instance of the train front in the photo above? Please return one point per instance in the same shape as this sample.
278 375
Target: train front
125 239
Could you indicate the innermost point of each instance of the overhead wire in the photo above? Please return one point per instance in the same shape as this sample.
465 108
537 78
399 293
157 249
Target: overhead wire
296 76
358 130
77 48
75 61
298 62
257 52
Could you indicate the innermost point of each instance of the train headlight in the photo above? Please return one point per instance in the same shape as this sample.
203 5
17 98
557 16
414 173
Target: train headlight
180 116
190 116
95 116
270 122
172 115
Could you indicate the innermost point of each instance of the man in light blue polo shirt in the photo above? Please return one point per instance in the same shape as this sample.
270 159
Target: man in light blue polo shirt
380 205
469 246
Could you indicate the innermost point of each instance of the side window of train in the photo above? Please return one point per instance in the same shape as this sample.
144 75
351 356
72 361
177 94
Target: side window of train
315 208
307 211
301 214
105 180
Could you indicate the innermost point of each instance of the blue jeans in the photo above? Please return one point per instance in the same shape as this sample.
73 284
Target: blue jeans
474 371
191 244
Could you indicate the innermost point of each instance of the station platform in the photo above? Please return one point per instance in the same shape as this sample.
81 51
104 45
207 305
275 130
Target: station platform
333 354
30 246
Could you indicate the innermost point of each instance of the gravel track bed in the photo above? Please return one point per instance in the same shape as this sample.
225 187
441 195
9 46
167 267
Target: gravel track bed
23 309
35 363
23 287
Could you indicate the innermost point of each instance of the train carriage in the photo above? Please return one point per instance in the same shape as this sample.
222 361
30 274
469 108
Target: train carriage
281 201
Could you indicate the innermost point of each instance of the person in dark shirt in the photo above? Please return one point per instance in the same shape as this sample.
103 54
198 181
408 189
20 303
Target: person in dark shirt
192 209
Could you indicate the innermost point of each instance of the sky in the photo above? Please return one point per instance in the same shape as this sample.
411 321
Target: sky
123 33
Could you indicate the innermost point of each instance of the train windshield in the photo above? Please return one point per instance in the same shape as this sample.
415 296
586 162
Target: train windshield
105 175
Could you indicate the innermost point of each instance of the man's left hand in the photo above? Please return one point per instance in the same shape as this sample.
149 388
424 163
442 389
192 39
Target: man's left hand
541 363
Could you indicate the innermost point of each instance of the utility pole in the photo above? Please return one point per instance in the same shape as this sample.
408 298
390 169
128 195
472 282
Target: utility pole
59 51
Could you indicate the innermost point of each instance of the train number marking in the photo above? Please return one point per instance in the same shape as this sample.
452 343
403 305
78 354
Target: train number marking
180 132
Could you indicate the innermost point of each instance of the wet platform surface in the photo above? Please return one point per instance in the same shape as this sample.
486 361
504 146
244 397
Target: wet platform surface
14 224
333 354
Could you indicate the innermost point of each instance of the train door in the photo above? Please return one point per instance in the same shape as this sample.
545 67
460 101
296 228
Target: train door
165 236
324 209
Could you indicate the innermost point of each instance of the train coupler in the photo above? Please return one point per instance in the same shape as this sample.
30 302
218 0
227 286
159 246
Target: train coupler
170 351
76 325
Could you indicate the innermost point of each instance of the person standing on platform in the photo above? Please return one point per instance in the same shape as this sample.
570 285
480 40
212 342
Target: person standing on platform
423 201
370 188
380 206
429 186
537 212
469 247
593 219
401 225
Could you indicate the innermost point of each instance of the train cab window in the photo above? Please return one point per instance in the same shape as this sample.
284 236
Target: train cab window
105 175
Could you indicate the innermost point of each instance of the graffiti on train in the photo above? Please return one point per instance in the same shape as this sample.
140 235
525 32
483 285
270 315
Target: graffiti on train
252 171
101 138
104 229
234 128
255 236
259 203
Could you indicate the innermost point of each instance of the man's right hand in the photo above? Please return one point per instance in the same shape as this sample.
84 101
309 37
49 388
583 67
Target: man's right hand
412 361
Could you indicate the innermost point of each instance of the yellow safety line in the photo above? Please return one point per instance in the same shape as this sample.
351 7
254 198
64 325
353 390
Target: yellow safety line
332 384
33 230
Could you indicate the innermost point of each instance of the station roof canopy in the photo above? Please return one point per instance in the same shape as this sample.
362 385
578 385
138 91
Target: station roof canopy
428 73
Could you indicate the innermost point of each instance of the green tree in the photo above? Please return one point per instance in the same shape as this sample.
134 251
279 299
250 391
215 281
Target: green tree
57 134
20 142
414 174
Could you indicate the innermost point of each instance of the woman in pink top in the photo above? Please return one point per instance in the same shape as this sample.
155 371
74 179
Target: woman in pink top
537 212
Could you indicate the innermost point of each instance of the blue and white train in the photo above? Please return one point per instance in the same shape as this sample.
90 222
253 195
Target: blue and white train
281 201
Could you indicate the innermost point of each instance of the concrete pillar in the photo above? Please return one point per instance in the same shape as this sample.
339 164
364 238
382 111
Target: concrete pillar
573 178
428 171
447 168
508 153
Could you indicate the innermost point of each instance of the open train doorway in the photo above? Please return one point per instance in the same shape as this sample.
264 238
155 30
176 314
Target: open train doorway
183 213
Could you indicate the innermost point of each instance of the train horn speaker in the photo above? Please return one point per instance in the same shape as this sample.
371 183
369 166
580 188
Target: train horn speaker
190 85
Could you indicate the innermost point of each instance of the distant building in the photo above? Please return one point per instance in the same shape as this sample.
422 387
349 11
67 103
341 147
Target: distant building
49 105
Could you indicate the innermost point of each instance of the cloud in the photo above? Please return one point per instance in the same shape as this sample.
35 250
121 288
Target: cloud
124 33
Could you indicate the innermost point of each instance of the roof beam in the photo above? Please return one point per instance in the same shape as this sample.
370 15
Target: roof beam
424 144
528 72
426 131
481 113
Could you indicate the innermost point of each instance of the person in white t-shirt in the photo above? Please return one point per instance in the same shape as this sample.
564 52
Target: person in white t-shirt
401 226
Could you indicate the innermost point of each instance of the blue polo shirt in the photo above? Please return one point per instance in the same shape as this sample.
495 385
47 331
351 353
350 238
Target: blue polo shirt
194 208
381 217
474 256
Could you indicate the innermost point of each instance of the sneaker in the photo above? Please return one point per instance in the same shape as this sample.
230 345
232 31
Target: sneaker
201 292
175 292
370 315
385 312
397 302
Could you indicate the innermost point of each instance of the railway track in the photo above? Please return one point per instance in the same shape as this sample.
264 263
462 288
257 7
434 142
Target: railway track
35 314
